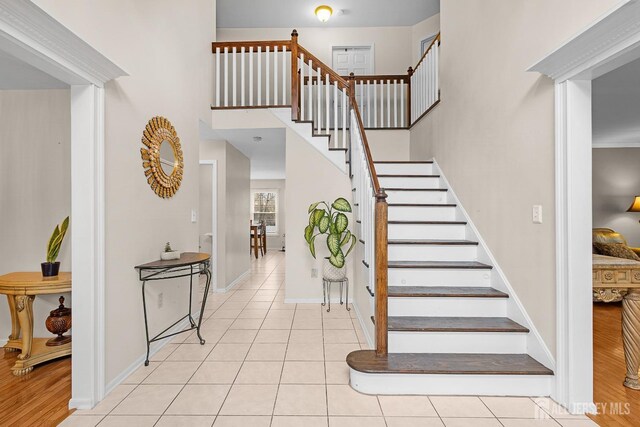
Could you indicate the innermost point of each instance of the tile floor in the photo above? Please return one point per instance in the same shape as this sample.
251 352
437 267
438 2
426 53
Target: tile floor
271 364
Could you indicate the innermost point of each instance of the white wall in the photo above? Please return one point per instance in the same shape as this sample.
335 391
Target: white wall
616 181
493 132
419 32
35 188
274 241
165 47
389 144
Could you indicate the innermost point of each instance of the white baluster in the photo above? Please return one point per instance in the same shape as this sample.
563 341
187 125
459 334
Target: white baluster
336 125
375 104
284 75
436 53
218 71
388 103
327 95
319 106
310 90
259 75
395 103
226 76
275 75
242 75
235 77
251 76
368 103
267 82
403 123
345 108
301 65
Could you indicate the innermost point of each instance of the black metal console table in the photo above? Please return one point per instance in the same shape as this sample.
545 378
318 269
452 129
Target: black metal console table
190 264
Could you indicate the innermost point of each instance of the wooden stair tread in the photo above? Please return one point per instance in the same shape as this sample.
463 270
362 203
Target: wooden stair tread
407 176
429 222
428 205
404 162
446 363
416 189
454 324
432 242
445 291
439 264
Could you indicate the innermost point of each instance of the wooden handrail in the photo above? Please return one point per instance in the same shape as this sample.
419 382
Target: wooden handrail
342 82
424 55
247 44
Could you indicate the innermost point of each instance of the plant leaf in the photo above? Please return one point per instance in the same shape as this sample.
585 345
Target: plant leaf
308 233
353 244
333 243
341 204
318 214
346 238
337 260
312 220
313 206
341 223
323 225
312 246
332 228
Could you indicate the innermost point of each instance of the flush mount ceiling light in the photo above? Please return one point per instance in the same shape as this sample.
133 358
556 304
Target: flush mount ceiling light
323 13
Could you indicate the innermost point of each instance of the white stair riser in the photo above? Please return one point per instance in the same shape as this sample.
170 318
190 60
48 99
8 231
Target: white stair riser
404 168
415 213
427 231
457 342
482 385
444 306
433 252
439 277
403 182
438 197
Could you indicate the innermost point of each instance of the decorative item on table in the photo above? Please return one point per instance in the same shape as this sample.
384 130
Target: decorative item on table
59 322
635 205
52 267
169 253
332 221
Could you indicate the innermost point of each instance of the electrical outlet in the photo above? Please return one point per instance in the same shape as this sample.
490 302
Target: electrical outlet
160 300
536 214
314 272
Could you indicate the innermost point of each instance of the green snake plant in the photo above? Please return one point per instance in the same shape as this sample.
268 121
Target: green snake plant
332 221
53 248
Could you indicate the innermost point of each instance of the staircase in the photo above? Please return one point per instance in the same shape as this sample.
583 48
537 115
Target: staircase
448 329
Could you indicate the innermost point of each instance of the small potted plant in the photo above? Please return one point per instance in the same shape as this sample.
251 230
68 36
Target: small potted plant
332 221
169 253
52 267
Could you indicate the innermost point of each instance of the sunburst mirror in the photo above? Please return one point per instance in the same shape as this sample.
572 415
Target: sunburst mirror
162 158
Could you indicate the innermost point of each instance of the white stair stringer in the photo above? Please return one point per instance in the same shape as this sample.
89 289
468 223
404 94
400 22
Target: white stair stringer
320 143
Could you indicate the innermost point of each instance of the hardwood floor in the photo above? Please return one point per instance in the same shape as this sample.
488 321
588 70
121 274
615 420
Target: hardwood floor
38 399
609 370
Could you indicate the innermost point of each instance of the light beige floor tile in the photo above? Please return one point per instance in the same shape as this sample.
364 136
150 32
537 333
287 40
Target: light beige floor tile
246 324
283 306
299 421
239 421
250 400
191 352
340 336
577 423
406 406
277 324
253 314
554 409
216 373
226 352
301 400
185 421
337 324
309 307
238 336
217 324
337 312
267 352
337 372
199 400
110 401
460 407
513 407
81 421
471 422
141 373
225 313
163 353
308 314
211 336
256 305
339 352
303 373
305 352
413 422
343 400
129 421
306 337
147 400
259 373
307 324
276 336
263 298
514 422
280 314
356 422
172 373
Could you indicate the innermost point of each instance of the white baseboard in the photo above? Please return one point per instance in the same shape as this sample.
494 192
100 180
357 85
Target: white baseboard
365 330
334 300
232 284
80 404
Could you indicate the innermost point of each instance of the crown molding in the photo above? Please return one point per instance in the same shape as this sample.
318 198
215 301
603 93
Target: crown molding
605 45
30 34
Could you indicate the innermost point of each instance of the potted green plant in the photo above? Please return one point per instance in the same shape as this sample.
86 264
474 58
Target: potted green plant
332 222
169 253
52 267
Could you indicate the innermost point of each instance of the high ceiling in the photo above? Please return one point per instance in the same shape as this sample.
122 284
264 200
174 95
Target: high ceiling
346 13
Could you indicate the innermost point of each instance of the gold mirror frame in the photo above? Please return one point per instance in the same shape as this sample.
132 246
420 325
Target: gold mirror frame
158 130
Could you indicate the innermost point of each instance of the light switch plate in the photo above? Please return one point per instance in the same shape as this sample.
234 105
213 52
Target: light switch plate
536 214
194 215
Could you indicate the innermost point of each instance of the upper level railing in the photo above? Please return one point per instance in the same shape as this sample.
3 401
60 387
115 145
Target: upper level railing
282 73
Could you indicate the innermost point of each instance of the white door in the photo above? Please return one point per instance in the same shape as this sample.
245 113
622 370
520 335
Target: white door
356 60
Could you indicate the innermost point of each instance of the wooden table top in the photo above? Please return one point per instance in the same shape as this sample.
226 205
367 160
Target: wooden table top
186 258
603 261
32 283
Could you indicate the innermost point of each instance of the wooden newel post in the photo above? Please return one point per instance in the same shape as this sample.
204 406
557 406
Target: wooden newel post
410 73
381 292
352 86
295 85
